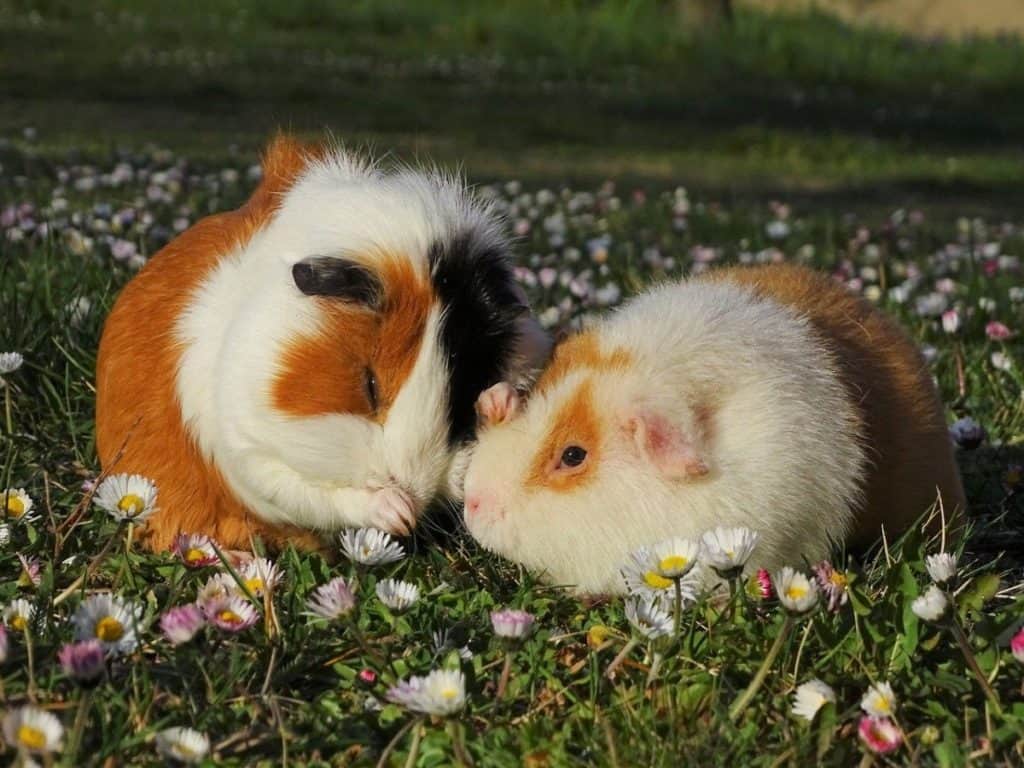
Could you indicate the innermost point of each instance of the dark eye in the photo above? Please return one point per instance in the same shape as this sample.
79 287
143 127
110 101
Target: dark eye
370 385
573 456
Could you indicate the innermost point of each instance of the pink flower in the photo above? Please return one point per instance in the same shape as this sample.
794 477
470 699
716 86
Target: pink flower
84 661
512 624
996 331
195 550
879 734
181 624
833 583
764 583
368 676
29 571
230 613
1017 646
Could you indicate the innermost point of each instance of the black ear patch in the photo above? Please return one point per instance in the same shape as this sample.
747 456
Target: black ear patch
339 278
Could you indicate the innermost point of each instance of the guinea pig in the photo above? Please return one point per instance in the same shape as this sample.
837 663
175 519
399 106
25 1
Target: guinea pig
765 397
311 360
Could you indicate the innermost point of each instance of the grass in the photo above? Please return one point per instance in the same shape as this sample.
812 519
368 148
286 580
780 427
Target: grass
296 696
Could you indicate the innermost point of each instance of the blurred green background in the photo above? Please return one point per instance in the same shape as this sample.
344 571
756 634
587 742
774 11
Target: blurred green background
878 98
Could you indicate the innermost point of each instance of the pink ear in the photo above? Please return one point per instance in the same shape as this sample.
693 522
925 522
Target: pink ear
665 445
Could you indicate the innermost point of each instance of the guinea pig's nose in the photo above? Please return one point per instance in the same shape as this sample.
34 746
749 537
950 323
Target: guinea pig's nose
473 504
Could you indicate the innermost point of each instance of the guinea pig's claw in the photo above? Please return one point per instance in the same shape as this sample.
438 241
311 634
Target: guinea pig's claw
497 404
393 511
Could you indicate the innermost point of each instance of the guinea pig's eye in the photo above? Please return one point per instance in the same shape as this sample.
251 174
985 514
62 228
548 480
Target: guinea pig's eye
370 385
573 456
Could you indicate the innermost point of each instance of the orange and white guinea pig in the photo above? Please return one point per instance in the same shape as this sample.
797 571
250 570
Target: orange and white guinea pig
311 360
766 397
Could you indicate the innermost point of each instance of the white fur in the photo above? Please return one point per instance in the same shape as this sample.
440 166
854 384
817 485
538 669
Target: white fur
336 470
785 454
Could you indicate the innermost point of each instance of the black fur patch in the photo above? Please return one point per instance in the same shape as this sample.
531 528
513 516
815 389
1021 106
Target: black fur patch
474 282
339 278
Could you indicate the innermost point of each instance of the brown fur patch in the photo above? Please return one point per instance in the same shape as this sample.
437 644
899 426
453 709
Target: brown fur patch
576 423
325 372
904 424
581 351
136 402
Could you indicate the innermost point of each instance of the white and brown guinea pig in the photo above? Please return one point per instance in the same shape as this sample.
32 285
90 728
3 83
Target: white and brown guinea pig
766 397
311 360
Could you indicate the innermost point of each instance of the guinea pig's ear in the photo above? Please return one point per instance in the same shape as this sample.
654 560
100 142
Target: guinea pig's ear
665 445
338 278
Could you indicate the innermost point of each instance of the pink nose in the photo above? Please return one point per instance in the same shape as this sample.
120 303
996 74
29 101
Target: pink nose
473 504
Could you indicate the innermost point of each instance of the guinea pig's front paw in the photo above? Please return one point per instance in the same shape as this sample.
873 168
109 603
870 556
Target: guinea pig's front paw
392 510
498 403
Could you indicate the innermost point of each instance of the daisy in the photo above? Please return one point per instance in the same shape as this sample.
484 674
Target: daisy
643 578
109 619
332 600
260 575
397 595
195 550
184 745
951 321
879 701
181 624
941 567
810 697
10 362
1017 646
932 605
647 617
674 558
879 734
796 592
759 585
728 549
441 693
218 585
18 505
512 624
368 546
128 498
230 613
833 583
84 662
19 614
996 331
33 730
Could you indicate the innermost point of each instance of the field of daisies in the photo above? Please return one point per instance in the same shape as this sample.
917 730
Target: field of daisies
431 652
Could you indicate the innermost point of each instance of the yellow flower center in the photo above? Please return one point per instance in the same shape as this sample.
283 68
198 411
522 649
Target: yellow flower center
838 578
673 563
597 635
109 629
19 623
194 555
254 585
229 617
882 705
449 693
795 591
31 738
655 581
131 504
15 506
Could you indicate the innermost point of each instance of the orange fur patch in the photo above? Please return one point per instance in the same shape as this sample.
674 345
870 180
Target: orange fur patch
326 372
904 423
576 423
581 351
136 402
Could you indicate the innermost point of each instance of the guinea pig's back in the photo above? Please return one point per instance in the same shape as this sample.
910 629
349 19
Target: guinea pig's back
909 450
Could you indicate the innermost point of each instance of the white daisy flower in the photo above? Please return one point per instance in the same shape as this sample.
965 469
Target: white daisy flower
34 730
260 575
941 567
111 620
810 697
219 585
368 546
642 577
648 617
10 362
728 549
675 557
18 505
397 595
932 605
195 550
19 614
231 613
442 692
332 600
879 701
796 592
184 745
129 498
512 624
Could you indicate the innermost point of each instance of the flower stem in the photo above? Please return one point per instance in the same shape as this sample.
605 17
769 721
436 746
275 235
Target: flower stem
652 673
31 665
7 408
744 699
506 673
677 608
462 757
972 662
626 650
75 742
414 748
